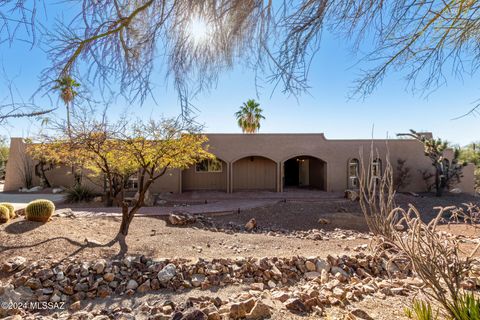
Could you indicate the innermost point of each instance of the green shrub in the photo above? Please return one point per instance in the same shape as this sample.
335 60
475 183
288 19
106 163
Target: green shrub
4 214
79 193
39 210
10 208
421 310
466 308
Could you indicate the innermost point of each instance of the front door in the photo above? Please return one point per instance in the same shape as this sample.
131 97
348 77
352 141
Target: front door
304 173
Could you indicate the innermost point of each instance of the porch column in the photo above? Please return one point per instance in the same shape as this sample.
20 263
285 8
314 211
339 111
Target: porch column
229 189
231 177
180 180
279 177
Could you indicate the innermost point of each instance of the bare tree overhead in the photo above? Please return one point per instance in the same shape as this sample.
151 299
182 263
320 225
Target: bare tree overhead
13 106
18 20
119 44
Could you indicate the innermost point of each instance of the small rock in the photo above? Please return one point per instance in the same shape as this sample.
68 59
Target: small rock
132 285
251 224
310 266
259 311
312 275
322 265
108 277
197 280
75 306
144 287
167 273
271 284
295 304
360 314
237 311
323 221
99 266
258 286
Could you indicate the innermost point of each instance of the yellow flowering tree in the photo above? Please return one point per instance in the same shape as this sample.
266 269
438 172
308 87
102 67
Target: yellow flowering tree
156 147
117 151
50 153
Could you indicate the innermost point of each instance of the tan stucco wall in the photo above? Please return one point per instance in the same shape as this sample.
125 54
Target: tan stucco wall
317 174
192 180
278 148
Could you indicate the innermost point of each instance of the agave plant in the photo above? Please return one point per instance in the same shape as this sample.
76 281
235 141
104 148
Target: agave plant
249 116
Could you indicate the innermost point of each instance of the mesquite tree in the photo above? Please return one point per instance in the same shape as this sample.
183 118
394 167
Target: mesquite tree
155 147
447 173
118 150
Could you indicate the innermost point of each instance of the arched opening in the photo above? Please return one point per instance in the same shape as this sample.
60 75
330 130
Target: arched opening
207 175
353 171
305 172
254 173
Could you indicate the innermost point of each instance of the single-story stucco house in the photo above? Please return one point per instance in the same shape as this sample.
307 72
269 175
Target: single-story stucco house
271 162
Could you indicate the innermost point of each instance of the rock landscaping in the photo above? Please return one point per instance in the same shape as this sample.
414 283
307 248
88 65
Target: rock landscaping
297 284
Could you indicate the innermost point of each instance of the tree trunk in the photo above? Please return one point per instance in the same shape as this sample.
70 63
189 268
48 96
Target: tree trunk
69 128
438 183
44 176
40 172
125 225
127 217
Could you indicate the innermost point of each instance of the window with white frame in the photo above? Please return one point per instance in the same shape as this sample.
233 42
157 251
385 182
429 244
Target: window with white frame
376 168
132 182
210 165
353 170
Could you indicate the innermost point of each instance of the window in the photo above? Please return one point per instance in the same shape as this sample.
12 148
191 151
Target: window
377 168
132 182
212 165
353 170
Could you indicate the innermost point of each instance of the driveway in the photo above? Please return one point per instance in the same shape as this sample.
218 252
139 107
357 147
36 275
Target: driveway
20 200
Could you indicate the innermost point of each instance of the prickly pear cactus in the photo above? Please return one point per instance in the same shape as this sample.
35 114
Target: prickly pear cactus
4 214
10 208
39 210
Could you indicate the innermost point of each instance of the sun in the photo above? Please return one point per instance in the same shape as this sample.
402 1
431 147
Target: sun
199 30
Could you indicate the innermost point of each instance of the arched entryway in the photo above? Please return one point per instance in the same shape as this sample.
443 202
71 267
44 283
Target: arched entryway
254 173
305 172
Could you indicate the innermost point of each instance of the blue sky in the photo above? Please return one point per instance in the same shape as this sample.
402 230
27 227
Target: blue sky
391 108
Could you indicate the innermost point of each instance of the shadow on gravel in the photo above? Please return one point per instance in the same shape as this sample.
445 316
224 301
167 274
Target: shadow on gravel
22 226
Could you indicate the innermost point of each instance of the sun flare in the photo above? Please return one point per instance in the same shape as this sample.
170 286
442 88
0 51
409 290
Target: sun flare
199 30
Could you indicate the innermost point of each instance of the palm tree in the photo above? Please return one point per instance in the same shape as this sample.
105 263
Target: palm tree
249 116
66 85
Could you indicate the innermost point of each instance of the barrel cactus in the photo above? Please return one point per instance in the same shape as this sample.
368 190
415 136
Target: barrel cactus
4 214
39 210
10 208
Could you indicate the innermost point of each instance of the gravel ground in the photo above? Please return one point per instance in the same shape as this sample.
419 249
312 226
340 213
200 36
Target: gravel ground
151 236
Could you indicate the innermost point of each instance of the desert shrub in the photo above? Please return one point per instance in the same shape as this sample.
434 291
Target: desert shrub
402 235
421 310
79 193
467 307
39 210
435 257
377 196
10 208
4 214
